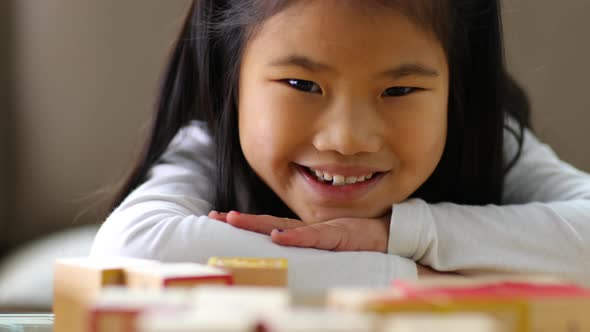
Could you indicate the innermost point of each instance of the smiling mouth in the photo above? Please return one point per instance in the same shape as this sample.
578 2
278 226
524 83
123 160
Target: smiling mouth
338 189
338 180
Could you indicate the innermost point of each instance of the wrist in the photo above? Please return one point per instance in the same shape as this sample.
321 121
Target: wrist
385 223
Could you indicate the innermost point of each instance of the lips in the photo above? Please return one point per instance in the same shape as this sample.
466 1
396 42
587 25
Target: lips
339 192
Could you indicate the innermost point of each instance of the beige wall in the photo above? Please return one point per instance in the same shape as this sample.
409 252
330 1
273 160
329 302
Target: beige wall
548 49
85 73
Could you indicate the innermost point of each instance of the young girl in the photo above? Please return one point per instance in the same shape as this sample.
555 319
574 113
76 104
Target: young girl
362 140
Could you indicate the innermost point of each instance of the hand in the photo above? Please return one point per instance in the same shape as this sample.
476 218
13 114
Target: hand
343 234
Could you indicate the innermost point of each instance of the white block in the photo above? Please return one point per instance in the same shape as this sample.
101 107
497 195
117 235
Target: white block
196 320
319 320
253 299
468 322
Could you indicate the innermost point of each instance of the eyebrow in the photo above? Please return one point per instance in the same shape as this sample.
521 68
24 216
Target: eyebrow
411 69
403 70
301 61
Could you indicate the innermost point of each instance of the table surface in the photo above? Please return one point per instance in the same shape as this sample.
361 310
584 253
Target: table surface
35 322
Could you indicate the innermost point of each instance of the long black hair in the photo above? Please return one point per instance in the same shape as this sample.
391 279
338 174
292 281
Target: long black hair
201 83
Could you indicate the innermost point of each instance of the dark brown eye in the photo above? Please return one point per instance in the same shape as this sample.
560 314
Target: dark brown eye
303 85
398 91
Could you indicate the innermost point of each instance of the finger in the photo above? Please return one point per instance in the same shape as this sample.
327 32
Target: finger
263 224
323 236
221 216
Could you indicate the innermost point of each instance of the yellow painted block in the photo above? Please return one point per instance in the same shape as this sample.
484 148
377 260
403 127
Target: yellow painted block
512 314
254 271
518 314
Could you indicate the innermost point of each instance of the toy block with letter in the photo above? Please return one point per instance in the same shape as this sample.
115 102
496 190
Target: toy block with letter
254 271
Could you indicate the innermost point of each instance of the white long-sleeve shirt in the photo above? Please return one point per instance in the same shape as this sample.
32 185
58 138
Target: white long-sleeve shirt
542 226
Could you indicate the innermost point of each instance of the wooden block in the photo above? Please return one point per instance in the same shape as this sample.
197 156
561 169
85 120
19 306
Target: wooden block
521 306
441 323
551 304
239 298
117 308
254 271
318 320
78 281
393 302
186 275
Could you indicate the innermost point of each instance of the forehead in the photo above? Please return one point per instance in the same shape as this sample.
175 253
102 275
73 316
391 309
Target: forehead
348 32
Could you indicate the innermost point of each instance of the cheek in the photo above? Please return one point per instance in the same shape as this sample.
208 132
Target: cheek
418 140
270 128
417 161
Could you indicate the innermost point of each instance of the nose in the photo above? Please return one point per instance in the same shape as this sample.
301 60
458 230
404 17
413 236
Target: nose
349 129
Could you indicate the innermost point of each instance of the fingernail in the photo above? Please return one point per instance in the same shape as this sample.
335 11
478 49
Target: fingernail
213 211
236 212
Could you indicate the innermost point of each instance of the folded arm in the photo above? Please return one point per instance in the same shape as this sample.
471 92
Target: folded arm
543 226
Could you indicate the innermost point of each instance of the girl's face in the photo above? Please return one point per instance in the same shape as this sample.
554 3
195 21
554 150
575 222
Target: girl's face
353 95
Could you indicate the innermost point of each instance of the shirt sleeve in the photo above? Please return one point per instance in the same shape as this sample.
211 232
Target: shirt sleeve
542 225
165 219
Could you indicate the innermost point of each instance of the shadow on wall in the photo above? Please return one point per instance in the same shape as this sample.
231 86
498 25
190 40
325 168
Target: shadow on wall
547 50
83 83
6 116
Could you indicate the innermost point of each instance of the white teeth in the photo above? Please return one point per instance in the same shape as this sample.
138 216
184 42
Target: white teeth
339 180
350 180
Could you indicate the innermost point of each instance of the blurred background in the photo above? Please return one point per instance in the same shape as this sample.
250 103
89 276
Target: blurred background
77 84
